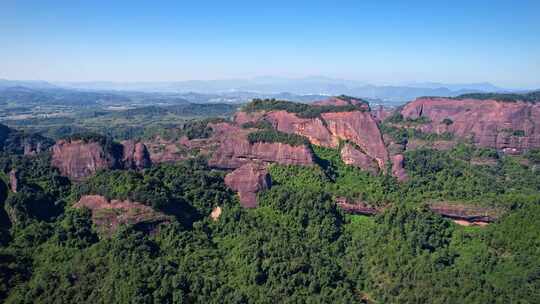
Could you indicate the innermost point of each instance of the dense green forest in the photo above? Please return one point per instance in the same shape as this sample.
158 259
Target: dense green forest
296 247
274 136
510 97
300 109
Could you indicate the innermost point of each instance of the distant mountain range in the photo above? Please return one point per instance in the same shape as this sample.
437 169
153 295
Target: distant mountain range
275 86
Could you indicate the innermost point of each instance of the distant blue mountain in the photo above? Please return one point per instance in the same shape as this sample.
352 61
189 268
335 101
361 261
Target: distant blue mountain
269 85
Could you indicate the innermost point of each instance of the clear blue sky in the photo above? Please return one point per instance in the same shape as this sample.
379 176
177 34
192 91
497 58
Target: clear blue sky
390 42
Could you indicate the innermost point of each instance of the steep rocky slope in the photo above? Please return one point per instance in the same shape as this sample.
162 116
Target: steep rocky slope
80 158
356 125
510 126
235 149
248 180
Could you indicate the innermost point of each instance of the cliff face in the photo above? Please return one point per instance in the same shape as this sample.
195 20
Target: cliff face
235 150
135 155
78 159
354 157
361 129
248 180
356 126
109 215
513 127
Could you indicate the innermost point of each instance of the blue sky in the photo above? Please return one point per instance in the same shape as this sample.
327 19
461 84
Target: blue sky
384 43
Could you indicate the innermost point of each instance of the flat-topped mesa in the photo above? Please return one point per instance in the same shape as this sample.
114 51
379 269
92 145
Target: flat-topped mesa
510 126
248 180
109 215
236 150
80 157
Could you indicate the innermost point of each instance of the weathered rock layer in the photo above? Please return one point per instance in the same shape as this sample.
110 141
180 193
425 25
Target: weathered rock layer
512 127
248 180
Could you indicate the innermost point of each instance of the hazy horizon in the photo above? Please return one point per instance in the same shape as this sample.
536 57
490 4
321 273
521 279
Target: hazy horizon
382 44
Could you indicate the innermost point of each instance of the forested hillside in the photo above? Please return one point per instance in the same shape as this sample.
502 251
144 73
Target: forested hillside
297 246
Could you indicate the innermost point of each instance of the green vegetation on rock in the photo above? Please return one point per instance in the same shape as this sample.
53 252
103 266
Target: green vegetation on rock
301 109
274 136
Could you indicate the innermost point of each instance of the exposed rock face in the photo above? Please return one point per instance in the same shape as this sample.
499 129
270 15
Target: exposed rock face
32 148
381 113
235 150
513 127
356 126
13 180
356 207
109 215
216 213
361 129
466 215
135 155
247 181
164 151
352 156
398 169
243 117
312 128
78 160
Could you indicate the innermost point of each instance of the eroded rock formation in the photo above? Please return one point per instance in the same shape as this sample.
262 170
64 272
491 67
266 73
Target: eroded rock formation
398 168
109 215
135 155
512 127
248 180
235 150
461 214
358 127
351 155
78 160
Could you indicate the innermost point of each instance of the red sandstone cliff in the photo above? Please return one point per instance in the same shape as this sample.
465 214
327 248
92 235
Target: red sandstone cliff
135 155
358 127
513 127
235 150
248 180
354 157
78 159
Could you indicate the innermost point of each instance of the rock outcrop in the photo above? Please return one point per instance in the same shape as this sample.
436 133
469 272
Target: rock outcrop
109 215
398 168
358 127
361 129
235 150
78 159
13 180
465 215
512 127
381 113
248 180
354 157
135 155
